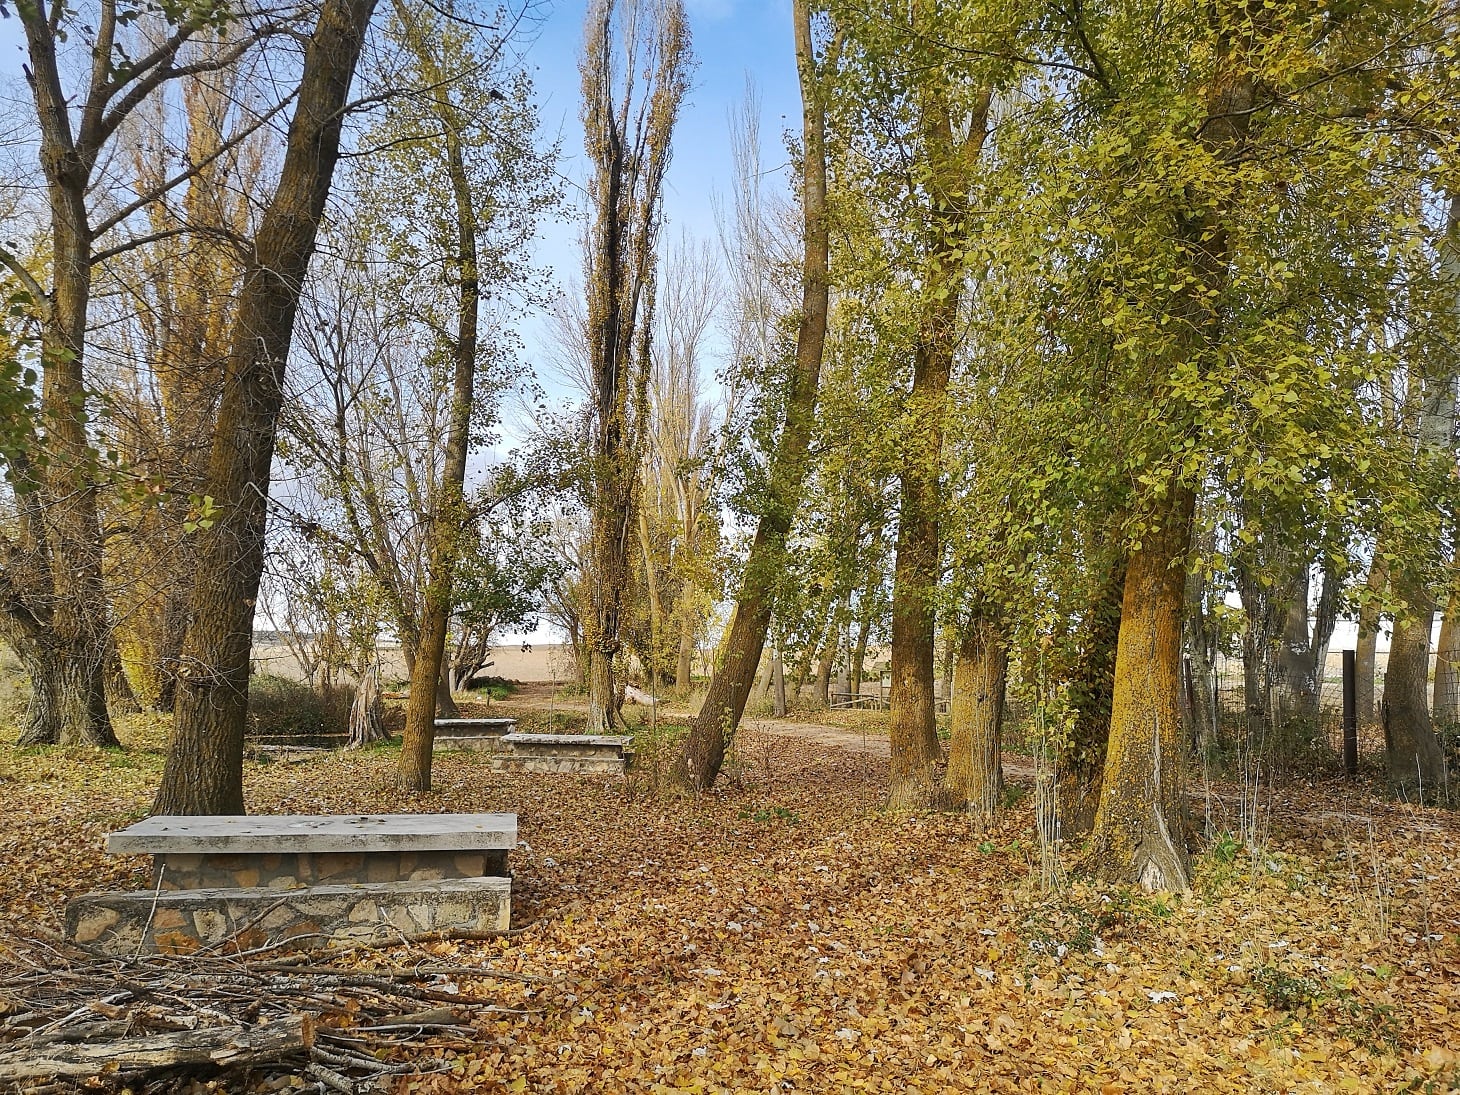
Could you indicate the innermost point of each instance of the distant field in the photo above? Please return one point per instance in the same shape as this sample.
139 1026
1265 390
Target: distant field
542 663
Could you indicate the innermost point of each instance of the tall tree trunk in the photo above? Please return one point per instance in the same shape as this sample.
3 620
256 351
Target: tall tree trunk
1080 764
1416 761
684 667
66 482
1297 688
778 683
1140 826
913 731
654 655
859 650
204 771
703 753
119 694
975 779
1200 647
628 144
431 680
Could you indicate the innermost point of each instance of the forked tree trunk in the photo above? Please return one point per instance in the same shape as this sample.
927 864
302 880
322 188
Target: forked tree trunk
975 779
365 725
1140 826
1416 761
1080 764
204 772
950 160
699 762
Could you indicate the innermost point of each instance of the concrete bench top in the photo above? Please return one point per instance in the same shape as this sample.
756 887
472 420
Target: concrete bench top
605 740
472 724
287 833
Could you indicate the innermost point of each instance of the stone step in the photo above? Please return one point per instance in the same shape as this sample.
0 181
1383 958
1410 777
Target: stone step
584 753
245 918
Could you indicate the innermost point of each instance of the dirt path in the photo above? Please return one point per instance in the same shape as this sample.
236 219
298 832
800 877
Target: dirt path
539 697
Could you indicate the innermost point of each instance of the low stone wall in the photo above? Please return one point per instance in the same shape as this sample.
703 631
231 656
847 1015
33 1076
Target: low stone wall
286 870
240 919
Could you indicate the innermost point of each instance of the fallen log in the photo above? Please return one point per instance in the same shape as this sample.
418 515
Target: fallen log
221 1046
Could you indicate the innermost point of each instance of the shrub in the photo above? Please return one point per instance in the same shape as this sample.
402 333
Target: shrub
281 709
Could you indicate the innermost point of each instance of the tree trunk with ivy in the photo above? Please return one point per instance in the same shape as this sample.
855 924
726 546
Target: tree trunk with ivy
1080 761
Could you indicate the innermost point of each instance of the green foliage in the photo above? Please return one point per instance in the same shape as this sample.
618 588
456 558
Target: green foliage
1286 991
1227 847
767 814
19 346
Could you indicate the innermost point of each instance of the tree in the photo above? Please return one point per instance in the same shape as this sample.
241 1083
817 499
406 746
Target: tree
628 131
54 569
164 323
1416 761
703 753
678 536
447 515
204 771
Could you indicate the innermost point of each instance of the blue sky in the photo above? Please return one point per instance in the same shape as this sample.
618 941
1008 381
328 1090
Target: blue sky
733 40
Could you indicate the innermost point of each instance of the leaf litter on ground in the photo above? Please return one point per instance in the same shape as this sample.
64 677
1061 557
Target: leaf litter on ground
781 934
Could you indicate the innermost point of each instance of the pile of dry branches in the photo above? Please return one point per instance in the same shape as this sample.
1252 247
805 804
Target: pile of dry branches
69 1016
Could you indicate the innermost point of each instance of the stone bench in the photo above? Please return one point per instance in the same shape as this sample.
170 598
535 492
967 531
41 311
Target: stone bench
484 734
588 753
255 880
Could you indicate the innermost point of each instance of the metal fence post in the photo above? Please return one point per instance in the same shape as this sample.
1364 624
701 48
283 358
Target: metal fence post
1350 716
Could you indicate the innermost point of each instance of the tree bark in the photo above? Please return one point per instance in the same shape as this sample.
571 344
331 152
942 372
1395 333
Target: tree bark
1140 825
365 725
778 682
703 752
226 1047
684 667
975 779
66 482
204 771
1416 762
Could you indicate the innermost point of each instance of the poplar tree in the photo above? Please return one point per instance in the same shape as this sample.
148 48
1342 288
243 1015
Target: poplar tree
635 66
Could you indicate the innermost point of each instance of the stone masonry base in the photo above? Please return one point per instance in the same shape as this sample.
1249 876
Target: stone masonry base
240 919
